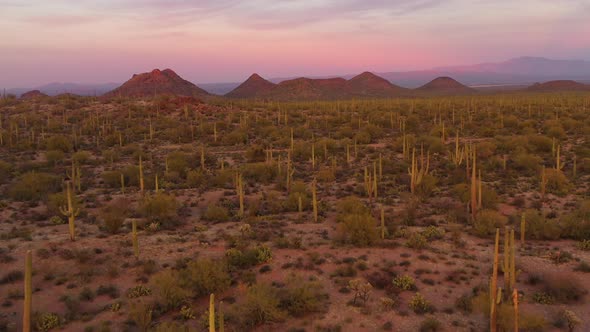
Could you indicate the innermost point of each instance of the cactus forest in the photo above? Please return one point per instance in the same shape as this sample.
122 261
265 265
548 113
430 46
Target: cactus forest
440 213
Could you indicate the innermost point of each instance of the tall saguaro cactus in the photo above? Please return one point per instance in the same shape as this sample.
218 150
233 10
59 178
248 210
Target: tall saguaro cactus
69 210
314 200
141 183
134 238
494 284
28 291
212 313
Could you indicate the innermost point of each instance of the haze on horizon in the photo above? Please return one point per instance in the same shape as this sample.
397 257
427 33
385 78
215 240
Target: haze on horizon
91 41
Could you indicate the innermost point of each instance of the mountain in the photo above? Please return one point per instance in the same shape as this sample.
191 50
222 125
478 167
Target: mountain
522 70
254 87
365 85
310 89
53 89
157 82
557 86
370 85
33 94
444 85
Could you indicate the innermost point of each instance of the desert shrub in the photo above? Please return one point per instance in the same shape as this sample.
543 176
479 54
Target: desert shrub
196 178
140 313
11 277
419 304
427 186
5 171
33 186
81 157
138 291
216 212
557 182
58 142
131 175
360 289
112 179
584 245
567 318
47 321
59 200
404 282
168 290
433 233
255 153
356 225
417 241
540 228
487 221
298 189
261 305
259 172
576 225
205 276
543 298
563 288
178 162
54 157
430 324
527 163
114 214
249 257
300 297
160 208
357 229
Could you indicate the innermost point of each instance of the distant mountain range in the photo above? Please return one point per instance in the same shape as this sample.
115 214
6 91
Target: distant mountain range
515 72
512 74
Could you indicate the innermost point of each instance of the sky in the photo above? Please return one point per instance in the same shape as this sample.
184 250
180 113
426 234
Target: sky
206 41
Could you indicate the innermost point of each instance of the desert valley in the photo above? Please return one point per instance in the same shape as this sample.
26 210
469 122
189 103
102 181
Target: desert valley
307 205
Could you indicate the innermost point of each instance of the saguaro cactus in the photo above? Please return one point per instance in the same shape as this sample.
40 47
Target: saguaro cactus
314 200
240 189
515 304
220 316
494 284
134 238
212 313
122 183
69 210
28 291
474 187
522 229
382 223
141 183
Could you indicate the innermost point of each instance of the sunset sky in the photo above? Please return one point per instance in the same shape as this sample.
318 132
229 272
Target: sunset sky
91 41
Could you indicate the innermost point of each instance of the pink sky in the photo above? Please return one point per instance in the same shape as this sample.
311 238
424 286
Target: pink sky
91 41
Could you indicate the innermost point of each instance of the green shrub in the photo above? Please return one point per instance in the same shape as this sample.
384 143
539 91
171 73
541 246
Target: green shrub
487 221
540 228
216 212
33 186
261 305
205 276
404 282
59 142
160 208
138 291
47 322
419 304
168 290
300 297
557 182
430 324
357 229
576 225
417 241
114 214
